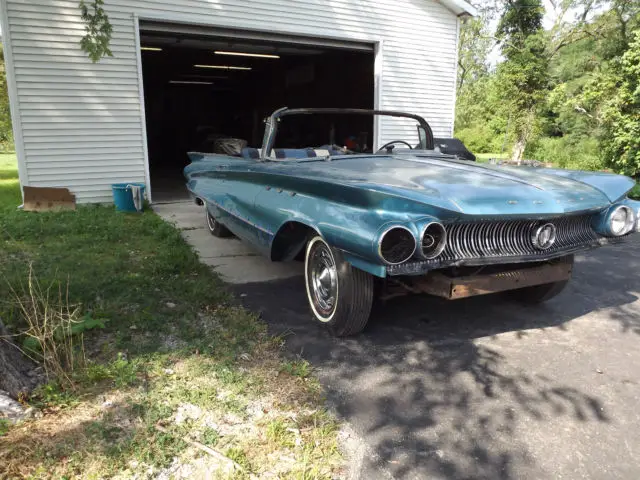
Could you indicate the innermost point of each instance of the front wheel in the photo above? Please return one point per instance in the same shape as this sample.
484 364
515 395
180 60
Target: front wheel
340 296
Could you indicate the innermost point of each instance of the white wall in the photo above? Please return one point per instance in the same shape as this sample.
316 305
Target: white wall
79 125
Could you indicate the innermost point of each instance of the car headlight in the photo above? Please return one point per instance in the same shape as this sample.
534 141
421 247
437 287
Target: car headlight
433 240
621 221
396 245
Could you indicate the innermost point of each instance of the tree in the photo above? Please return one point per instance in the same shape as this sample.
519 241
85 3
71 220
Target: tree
520 19
475 44
98 30
6 133
477 123
620 115
523 76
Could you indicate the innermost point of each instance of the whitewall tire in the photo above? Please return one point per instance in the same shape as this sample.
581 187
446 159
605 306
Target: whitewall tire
215 227
339 295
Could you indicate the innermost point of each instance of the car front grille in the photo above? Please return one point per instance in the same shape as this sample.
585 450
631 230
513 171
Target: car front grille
513 238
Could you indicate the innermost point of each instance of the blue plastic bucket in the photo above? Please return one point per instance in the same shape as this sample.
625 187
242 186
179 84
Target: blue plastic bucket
123 196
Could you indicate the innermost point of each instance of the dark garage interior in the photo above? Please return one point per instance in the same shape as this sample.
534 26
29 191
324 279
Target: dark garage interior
200 88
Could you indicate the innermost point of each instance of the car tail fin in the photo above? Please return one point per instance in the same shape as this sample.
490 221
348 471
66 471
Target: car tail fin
195 156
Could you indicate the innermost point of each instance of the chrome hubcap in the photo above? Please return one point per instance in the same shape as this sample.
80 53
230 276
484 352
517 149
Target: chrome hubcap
323 279
211 221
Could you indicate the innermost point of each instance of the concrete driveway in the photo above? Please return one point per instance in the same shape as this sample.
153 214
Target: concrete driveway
478 388
231 258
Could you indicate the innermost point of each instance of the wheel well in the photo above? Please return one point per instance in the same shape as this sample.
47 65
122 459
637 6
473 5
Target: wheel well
290 241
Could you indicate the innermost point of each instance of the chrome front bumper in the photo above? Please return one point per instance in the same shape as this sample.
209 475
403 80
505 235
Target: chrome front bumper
420 267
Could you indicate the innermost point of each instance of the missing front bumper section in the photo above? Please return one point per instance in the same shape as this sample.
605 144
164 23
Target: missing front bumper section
452 288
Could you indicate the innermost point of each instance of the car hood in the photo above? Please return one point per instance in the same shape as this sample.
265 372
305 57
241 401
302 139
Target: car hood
469 187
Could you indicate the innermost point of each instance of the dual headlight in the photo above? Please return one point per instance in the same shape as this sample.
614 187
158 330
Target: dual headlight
398 244
621 221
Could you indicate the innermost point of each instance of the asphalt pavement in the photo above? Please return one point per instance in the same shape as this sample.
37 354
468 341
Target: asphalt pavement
476 388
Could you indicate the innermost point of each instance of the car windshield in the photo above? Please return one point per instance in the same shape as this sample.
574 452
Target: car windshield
320 132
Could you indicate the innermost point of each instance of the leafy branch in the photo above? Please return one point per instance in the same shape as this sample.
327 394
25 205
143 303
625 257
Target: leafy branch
98 30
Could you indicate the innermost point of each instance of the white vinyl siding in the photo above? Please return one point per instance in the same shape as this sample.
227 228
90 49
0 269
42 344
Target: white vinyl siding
82 124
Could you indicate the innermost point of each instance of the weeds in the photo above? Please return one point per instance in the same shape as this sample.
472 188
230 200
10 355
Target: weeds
281 433
210 436
54 328
298 368
121 371
4 426
239 456
53 394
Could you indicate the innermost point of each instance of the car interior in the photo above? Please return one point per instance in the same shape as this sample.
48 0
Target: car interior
291 134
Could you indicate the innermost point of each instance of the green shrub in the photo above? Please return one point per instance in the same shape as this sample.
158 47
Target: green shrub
483 138
567 152
477 138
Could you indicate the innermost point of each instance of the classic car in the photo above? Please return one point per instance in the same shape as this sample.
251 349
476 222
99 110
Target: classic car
408 219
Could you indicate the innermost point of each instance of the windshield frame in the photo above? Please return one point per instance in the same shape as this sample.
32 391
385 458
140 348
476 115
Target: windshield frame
425 134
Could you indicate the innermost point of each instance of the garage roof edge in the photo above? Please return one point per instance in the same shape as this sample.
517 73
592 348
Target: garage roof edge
460 7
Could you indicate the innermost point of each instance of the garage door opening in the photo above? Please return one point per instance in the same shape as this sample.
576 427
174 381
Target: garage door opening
200 88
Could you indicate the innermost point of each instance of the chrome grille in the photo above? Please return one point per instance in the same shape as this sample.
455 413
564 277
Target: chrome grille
514 237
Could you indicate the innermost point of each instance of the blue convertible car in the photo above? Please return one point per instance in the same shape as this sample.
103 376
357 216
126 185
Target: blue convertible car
408 218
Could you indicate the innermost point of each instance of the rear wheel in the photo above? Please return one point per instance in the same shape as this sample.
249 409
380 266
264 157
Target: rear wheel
340 296
541 293
215 227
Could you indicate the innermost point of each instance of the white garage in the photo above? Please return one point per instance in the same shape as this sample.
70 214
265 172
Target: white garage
185 72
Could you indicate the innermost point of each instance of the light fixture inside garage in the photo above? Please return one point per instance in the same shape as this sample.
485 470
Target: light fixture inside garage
223 67
189 82
151 49
205 78
242 54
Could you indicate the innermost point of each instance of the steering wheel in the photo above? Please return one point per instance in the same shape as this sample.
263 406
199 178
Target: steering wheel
388 144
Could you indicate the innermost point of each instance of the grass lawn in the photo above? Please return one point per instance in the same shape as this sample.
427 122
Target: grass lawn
9 184
176 369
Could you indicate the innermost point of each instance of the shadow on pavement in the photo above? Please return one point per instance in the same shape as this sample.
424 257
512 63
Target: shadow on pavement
425 390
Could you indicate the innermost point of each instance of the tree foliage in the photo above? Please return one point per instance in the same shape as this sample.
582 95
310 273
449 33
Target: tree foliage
6 133
569 91
475 44
620 112
520 19
523 77
98 30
